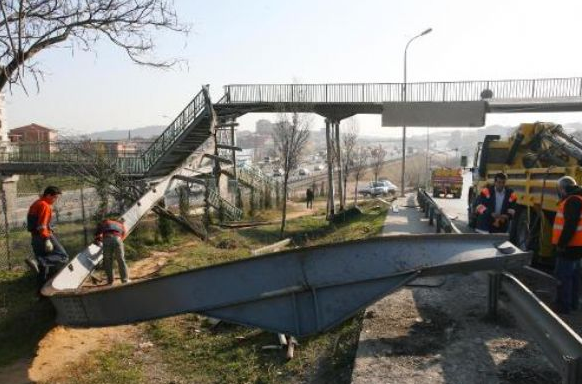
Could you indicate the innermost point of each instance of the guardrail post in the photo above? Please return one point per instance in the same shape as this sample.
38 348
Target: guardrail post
439 224
494 285
430 215
573 372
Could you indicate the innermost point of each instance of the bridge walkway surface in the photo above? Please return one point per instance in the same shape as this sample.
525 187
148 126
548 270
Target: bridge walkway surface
436 330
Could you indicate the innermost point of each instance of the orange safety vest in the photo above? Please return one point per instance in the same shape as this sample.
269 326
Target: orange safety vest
576 240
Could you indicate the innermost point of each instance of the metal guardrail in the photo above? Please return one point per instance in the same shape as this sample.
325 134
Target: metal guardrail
435 214
473 90
560 343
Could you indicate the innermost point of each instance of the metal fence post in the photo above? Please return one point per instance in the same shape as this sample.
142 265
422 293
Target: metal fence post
494 285
438 222
431 216
573 374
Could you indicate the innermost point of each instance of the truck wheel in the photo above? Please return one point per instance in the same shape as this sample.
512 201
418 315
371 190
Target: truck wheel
523 232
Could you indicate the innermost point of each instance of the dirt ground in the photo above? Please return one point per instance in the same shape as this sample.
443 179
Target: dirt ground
438 332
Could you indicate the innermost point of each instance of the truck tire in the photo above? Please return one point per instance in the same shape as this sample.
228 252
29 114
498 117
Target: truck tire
523 232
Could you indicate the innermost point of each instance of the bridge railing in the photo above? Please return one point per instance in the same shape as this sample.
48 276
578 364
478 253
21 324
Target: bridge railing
174 130
393 92
128 159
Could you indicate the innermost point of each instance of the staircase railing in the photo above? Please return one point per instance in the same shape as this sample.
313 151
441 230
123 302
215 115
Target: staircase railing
232 212
173 131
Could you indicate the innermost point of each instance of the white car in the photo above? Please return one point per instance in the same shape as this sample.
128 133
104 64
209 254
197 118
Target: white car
318 167
374 188
278 172
304 172
391 187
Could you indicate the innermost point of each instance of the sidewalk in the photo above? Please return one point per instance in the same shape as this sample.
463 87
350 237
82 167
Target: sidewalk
436 331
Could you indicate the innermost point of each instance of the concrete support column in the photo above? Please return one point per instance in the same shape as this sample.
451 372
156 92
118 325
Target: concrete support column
340 189
329 149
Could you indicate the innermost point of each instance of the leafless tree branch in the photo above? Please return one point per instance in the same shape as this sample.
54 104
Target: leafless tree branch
28 27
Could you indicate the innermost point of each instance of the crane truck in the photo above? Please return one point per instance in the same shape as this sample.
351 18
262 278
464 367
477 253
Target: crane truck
534 157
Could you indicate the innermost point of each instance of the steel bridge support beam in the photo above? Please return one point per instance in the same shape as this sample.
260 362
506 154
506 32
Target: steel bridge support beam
322 285
340 189
329 152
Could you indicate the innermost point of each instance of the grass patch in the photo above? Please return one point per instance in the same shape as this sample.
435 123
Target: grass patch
234 354
118 365
24 320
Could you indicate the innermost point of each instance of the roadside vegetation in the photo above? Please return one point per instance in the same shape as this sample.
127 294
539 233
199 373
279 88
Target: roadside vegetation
188 348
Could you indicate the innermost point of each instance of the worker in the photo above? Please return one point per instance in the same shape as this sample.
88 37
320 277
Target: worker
309 195
110 234
567 239
495 207
50 255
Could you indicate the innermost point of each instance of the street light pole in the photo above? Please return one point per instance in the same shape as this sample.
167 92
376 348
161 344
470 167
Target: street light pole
404 100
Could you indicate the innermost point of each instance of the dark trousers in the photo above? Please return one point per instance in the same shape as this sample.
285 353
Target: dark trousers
567 271
309 203
49 264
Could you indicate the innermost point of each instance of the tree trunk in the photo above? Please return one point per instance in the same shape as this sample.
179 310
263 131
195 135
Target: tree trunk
284 213
356 191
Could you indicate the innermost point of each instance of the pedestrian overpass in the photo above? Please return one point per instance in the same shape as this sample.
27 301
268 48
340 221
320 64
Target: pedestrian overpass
192 127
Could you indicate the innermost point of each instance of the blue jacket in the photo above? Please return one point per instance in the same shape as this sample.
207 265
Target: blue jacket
485 205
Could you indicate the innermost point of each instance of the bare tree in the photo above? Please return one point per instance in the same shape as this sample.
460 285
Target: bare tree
349 140
290 135
378 156
28 27
361 156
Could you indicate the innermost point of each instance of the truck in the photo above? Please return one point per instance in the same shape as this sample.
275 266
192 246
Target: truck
447 181
533 157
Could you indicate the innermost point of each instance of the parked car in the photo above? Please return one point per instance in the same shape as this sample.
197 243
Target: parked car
392 188
278 172
318 167
304 172
374 188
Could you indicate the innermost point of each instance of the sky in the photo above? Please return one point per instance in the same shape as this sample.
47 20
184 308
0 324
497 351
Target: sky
335 41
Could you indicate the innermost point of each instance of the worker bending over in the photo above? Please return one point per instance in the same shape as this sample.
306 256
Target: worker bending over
567 239
50 255
495 207
110 234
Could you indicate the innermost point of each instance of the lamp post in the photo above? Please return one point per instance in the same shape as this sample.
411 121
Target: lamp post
427 31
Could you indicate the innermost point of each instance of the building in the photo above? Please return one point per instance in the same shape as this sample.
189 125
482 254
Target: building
112 148
34 137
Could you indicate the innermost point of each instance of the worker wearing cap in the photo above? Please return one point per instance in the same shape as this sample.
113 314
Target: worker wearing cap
495 207
567 239
110 234
48 251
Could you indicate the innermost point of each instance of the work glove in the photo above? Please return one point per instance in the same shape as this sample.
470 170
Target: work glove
48 246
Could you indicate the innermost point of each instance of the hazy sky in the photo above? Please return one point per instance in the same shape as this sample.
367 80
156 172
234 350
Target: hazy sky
276 41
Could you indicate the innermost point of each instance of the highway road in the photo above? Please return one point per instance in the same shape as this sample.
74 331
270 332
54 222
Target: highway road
456 209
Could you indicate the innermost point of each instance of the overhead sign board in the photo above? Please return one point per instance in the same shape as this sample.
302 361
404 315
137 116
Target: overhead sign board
434 114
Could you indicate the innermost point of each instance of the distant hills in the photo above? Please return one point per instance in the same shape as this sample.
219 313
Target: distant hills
118 134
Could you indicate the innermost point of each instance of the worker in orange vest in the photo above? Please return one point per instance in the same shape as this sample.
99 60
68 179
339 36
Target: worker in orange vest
110 234
567 239
50 255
